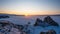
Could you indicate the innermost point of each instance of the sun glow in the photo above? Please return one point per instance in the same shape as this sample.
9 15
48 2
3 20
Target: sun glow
26 14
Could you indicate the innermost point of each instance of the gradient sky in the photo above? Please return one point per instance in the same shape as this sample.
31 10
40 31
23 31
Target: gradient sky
30 7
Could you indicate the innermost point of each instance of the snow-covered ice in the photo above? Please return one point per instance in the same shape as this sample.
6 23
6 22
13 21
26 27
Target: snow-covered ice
22 20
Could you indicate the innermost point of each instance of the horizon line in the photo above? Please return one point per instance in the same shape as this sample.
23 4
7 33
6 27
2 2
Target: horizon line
29 15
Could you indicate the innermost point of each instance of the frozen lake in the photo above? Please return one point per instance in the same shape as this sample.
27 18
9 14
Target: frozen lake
25 19
21 20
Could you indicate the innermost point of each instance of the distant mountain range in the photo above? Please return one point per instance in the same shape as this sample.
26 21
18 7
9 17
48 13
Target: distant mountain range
31 15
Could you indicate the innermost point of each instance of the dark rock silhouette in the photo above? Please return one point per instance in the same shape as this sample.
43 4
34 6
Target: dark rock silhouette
20 27
50 21
3 16
42 33
49 32
40 23
4 23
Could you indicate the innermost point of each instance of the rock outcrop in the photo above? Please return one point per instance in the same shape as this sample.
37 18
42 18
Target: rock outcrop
7 27
40 23
49 32
4 16
50 21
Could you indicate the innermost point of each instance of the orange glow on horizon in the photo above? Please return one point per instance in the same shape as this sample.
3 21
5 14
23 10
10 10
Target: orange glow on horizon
27 13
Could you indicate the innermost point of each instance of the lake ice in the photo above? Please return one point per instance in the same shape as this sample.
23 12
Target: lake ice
22 20
25 19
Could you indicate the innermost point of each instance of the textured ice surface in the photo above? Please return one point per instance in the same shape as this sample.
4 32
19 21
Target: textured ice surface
34 30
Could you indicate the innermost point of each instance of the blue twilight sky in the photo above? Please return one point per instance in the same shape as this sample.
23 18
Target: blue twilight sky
30 6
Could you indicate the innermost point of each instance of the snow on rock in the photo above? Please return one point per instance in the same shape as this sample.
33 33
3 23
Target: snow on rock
40 23
50 21
14 31
6 27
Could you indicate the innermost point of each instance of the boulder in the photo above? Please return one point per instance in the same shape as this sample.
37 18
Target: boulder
50 21
20 27
5 22
49 32
38 22
42 33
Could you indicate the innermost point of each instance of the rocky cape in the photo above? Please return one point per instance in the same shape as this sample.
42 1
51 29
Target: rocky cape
48 21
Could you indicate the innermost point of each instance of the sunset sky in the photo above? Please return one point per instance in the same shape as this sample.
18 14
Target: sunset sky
30 7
